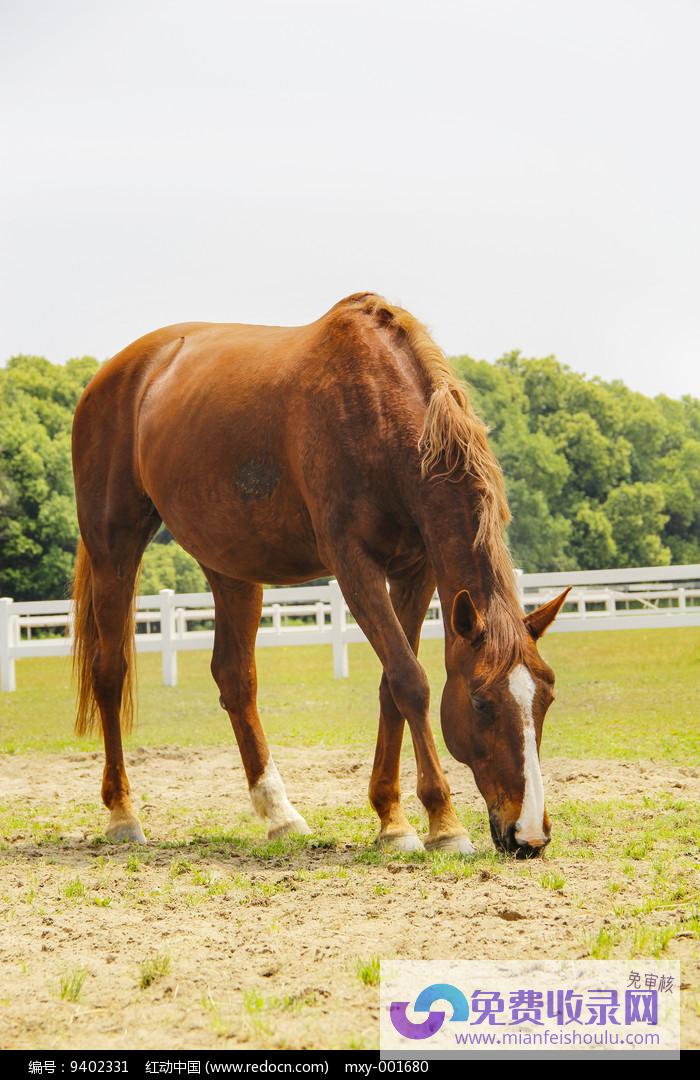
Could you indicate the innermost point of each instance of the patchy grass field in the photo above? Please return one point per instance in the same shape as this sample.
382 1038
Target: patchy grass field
628 694
212 937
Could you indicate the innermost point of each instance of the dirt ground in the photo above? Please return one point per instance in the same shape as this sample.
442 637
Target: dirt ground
272 946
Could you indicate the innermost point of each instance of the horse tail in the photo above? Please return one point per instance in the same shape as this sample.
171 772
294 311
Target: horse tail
85 651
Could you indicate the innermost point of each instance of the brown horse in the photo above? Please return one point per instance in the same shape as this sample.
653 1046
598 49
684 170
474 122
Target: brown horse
278 454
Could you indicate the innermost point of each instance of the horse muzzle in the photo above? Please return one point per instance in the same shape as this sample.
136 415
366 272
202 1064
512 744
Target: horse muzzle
506 841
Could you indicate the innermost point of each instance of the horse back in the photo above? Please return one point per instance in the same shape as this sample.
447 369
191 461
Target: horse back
282 433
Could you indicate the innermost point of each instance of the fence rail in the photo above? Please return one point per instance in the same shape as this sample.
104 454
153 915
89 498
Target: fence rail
638 598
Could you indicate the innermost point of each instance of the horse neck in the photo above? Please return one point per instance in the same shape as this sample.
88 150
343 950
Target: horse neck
448 522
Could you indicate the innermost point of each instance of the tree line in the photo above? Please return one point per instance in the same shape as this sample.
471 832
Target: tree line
597 474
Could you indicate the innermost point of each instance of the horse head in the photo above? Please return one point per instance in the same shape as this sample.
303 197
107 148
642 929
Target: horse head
492 717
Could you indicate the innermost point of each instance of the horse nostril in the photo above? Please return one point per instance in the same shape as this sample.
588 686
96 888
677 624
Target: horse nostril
529 836
507 840
531 848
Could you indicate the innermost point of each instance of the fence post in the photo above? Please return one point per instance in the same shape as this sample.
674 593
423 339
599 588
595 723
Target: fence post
681 599
341 667
7 660
167 636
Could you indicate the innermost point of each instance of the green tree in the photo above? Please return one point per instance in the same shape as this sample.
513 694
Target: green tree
167 566
679 475
646 430
597 462
568 444
38 525
538 538
592 544
544 382
635 512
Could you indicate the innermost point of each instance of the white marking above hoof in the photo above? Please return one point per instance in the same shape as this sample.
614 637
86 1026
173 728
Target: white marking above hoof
126 830
270 802
404 842
460 845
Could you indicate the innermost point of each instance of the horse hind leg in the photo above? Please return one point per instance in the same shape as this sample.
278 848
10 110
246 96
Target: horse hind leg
238 605
109 674
104 657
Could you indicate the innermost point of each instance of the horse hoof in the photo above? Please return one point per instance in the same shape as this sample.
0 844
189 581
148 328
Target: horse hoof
403 842
460 845
295 825
129 831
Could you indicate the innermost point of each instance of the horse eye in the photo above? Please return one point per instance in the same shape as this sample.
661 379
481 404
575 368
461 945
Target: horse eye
482 706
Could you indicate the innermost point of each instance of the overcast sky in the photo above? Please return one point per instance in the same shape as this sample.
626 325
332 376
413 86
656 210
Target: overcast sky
519 173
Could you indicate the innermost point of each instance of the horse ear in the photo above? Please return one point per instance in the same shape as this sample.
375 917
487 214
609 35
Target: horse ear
466 620
542 617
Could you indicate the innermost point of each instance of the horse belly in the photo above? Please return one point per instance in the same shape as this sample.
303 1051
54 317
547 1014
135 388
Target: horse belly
240 515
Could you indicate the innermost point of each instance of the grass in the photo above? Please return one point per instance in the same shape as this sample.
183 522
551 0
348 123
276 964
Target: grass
153 969
553 880
213 1010
603 943
74 890
253 1001
618 904
71 984
621 694
368 971
624 872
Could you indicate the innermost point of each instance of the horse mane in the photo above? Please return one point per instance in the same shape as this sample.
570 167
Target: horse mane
454 444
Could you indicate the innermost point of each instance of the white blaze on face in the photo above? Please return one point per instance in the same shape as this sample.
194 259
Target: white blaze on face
270 802
529 825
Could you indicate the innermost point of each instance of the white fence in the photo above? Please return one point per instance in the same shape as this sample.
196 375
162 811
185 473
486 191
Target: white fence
643 597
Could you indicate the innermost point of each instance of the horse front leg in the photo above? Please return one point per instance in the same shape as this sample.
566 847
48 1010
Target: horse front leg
238 605
364 588
395 830
410 596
